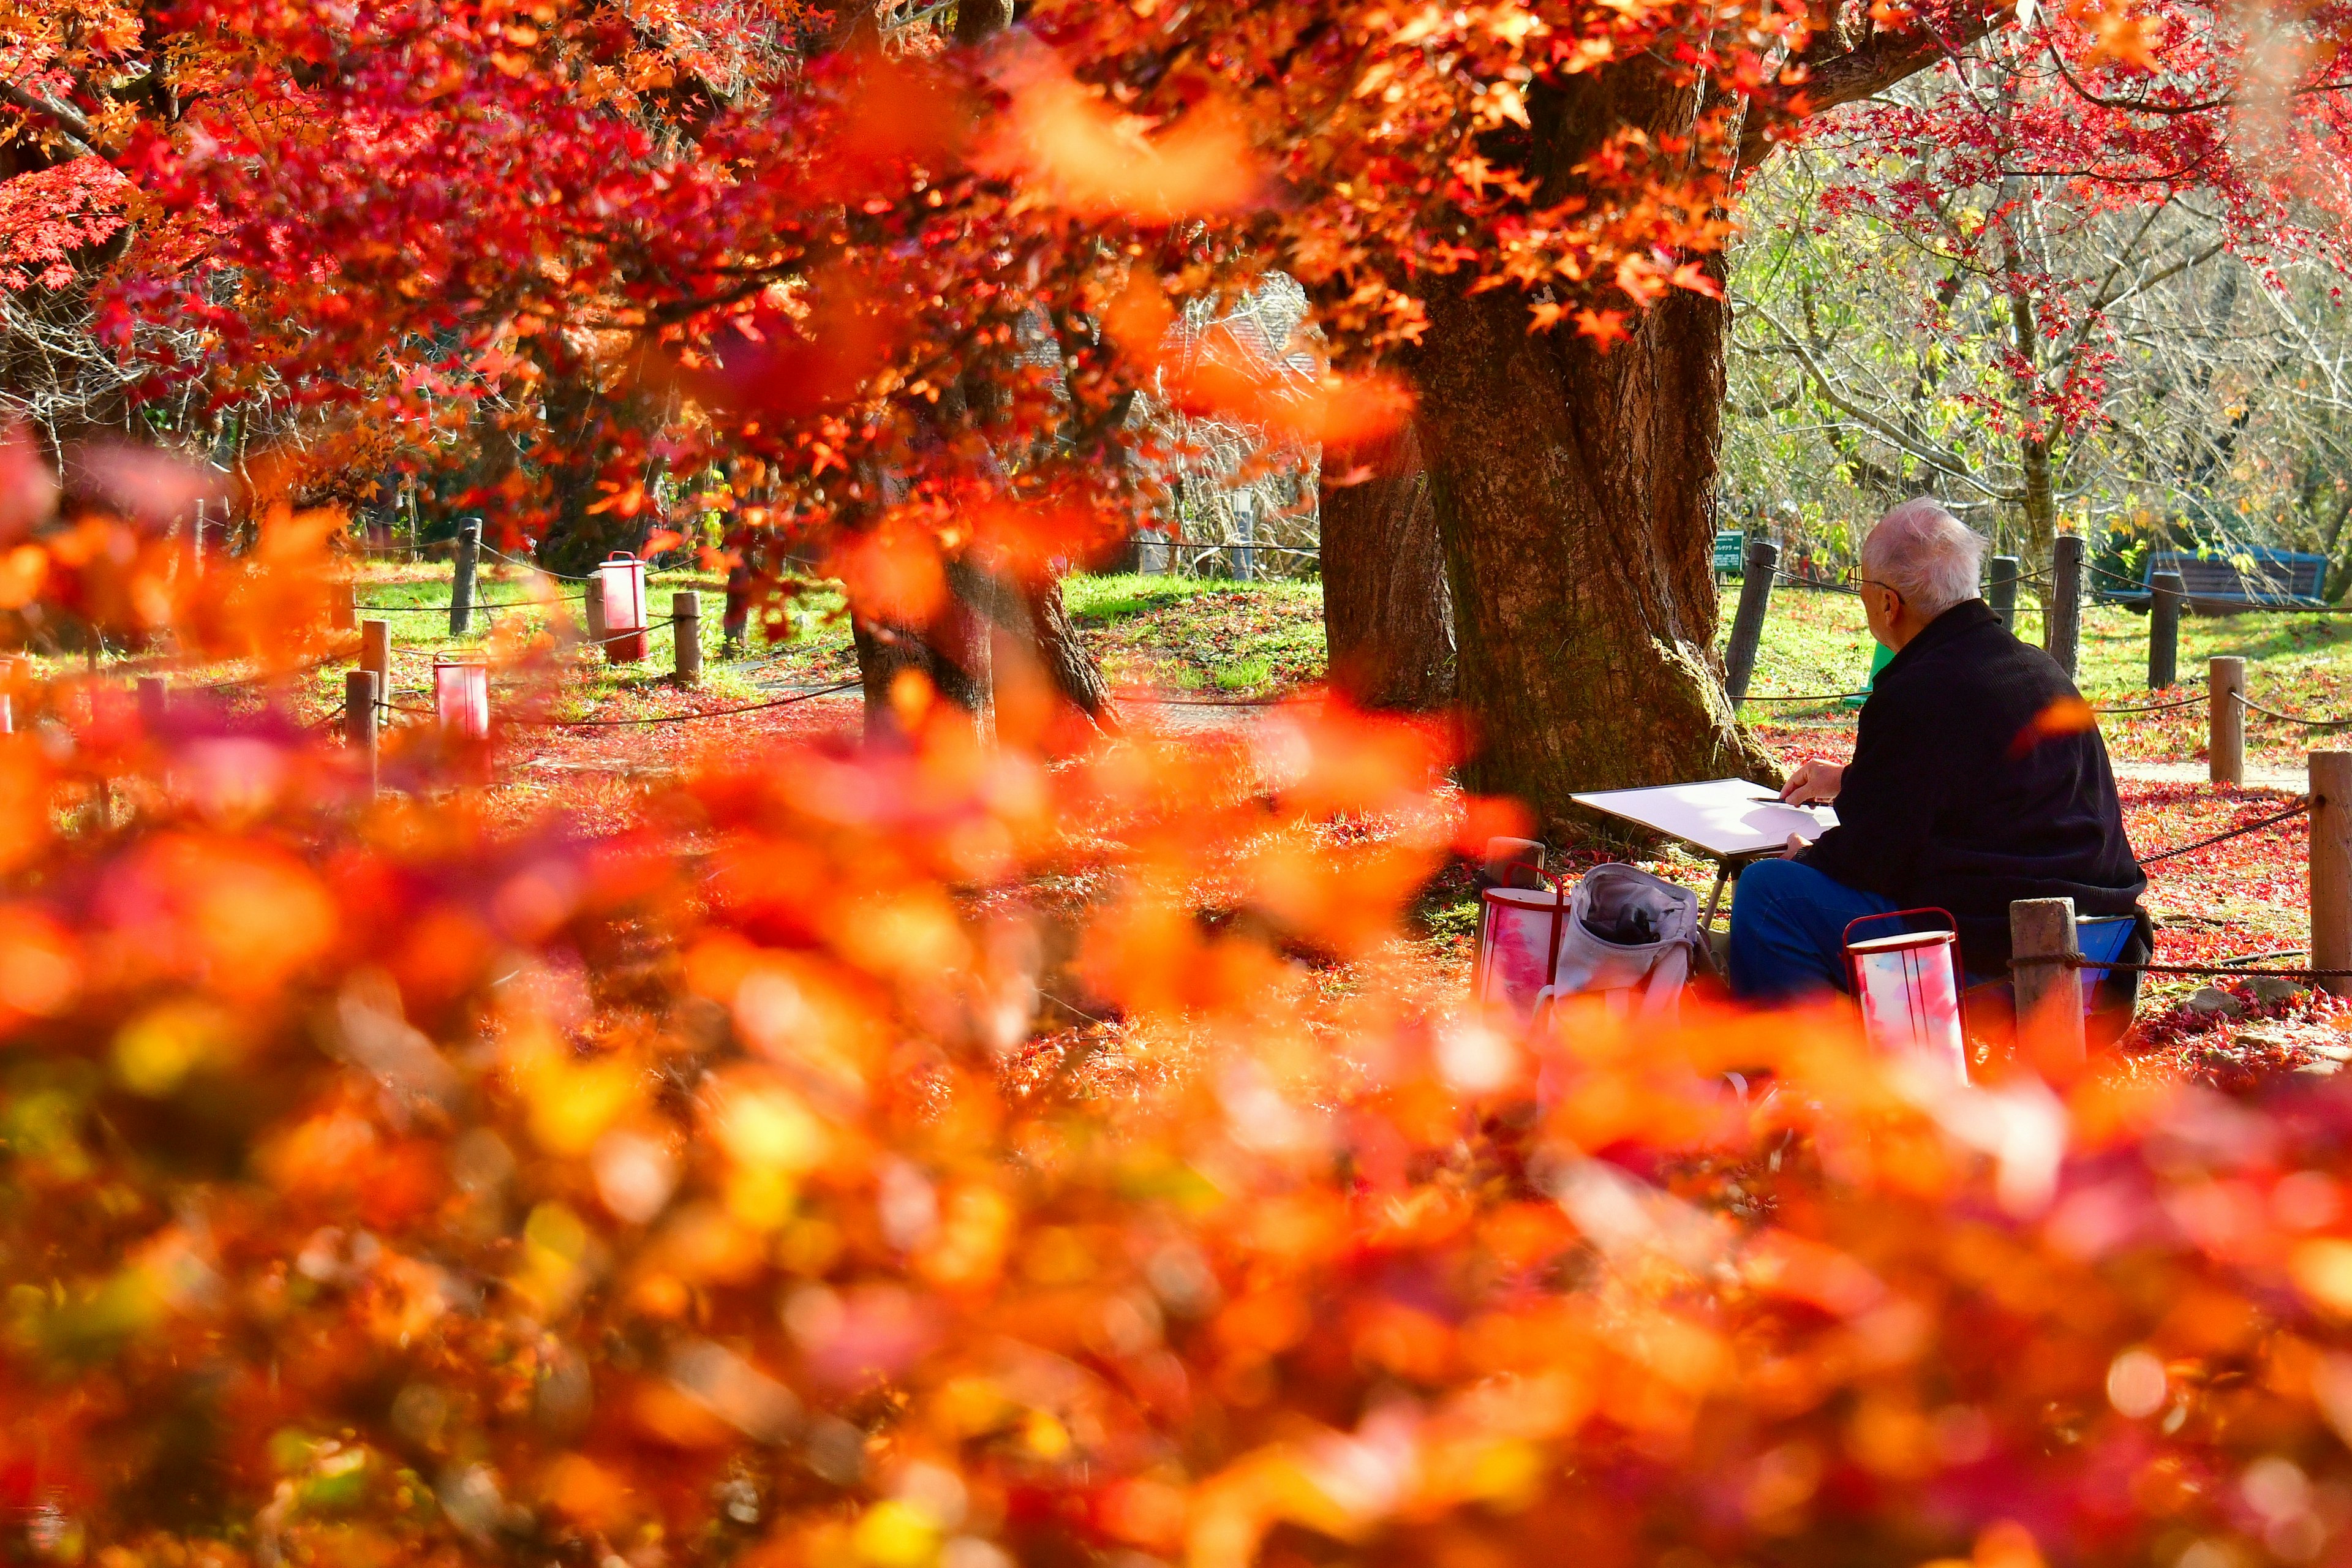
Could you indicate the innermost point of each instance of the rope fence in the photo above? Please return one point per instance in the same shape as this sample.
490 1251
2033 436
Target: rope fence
683 718
2224 966
2299 808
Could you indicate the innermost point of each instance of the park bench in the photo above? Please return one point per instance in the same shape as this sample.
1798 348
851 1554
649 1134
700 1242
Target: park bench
2224 583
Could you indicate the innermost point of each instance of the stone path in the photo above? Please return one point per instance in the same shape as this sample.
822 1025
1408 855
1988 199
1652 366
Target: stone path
2290 779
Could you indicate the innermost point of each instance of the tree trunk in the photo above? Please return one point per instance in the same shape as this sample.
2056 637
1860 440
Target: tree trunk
1388 617
1574 492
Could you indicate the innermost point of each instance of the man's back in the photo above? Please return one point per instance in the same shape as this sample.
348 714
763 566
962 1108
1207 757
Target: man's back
1978 777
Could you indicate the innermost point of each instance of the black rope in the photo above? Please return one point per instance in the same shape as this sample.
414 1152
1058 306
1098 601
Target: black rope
1207 701
533 566
2297 809
2303 719
1809 583
2076 960
633 632
1224 544
680 718
2153 707
488 607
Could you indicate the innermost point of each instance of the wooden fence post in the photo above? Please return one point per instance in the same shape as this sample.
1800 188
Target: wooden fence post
359 697
2049 994
2061 631
375 655
2225 720
2168 593
685 636
2331 865
461 580
2001 592
592 610
155 701
1748 622
735 618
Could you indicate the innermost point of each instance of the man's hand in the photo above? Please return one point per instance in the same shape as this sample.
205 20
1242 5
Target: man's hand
1814 780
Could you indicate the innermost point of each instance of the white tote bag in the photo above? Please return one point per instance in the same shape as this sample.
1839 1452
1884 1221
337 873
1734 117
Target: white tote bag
1628 934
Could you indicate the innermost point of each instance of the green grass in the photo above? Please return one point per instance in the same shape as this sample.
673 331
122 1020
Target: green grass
2297 663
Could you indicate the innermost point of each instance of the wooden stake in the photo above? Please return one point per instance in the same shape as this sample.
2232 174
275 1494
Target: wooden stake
375 654
359 697
342 607
2049 995
2167 594
2331 865
2002 590
685 636
2225 720
592 610
1748 622
461 581
2061 631
155 701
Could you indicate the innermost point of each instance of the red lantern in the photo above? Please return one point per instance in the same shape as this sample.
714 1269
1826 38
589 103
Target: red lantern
461 697
1908 986
623 577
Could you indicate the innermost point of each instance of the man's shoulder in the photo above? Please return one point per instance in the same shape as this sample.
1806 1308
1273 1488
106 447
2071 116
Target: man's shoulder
1977 667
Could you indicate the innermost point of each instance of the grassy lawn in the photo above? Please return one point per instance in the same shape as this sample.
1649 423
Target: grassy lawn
1182 633
2297 663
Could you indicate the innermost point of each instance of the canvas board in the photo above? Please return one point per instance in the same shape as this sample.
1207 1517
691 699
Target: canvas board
1722 817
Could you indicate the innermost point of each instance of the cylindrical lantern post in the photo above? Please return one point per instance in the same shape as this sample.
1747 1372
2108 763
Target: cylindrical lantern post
2049 988
461 698
1748 622
685 636
2225 720
375 655
461 581
2000 591
2167 594
359 697
623 577
2331 865
2061 631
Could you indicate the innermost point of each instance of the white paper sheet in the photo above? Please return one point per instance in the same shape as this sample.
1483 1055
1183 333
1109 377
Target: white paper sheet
1722 817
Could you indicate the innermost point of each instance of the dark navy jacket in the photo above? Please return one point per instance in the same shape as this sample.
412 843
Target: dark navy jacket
1977 777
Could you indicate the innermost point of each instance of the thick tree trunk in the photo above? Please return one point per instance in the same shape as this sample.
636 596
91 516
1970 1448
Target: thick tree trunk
1574 492
1075 674
1388 616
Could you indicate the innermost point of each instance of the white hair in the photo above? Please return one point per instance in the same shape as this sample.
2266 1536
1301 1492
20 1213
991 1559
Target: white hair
1926 554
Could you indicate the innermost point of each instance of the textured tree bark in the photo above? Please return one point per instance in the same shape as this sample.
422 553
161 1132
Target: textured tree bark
1574 492
1075 674
1388 615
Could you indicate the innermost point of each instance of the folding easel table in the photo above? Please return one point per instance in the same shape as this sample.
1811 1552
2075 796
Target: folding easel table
1732 820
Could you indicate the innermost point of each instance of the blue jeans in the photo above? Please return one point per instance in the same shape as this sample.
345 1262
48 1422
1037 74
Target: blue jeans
1787 930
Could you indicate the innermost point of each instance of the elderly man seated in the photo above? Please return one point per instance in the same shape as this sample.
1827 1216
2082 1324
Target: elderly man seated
1977 777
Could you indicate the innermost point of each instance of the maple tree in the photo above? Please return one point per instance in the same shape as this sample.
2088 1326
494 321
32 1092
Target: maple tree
883 1157
2062 317
922 1154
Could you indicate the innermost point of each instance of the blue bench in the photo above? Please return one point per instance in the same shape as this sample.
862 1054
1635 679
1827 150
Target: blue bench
2220 583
